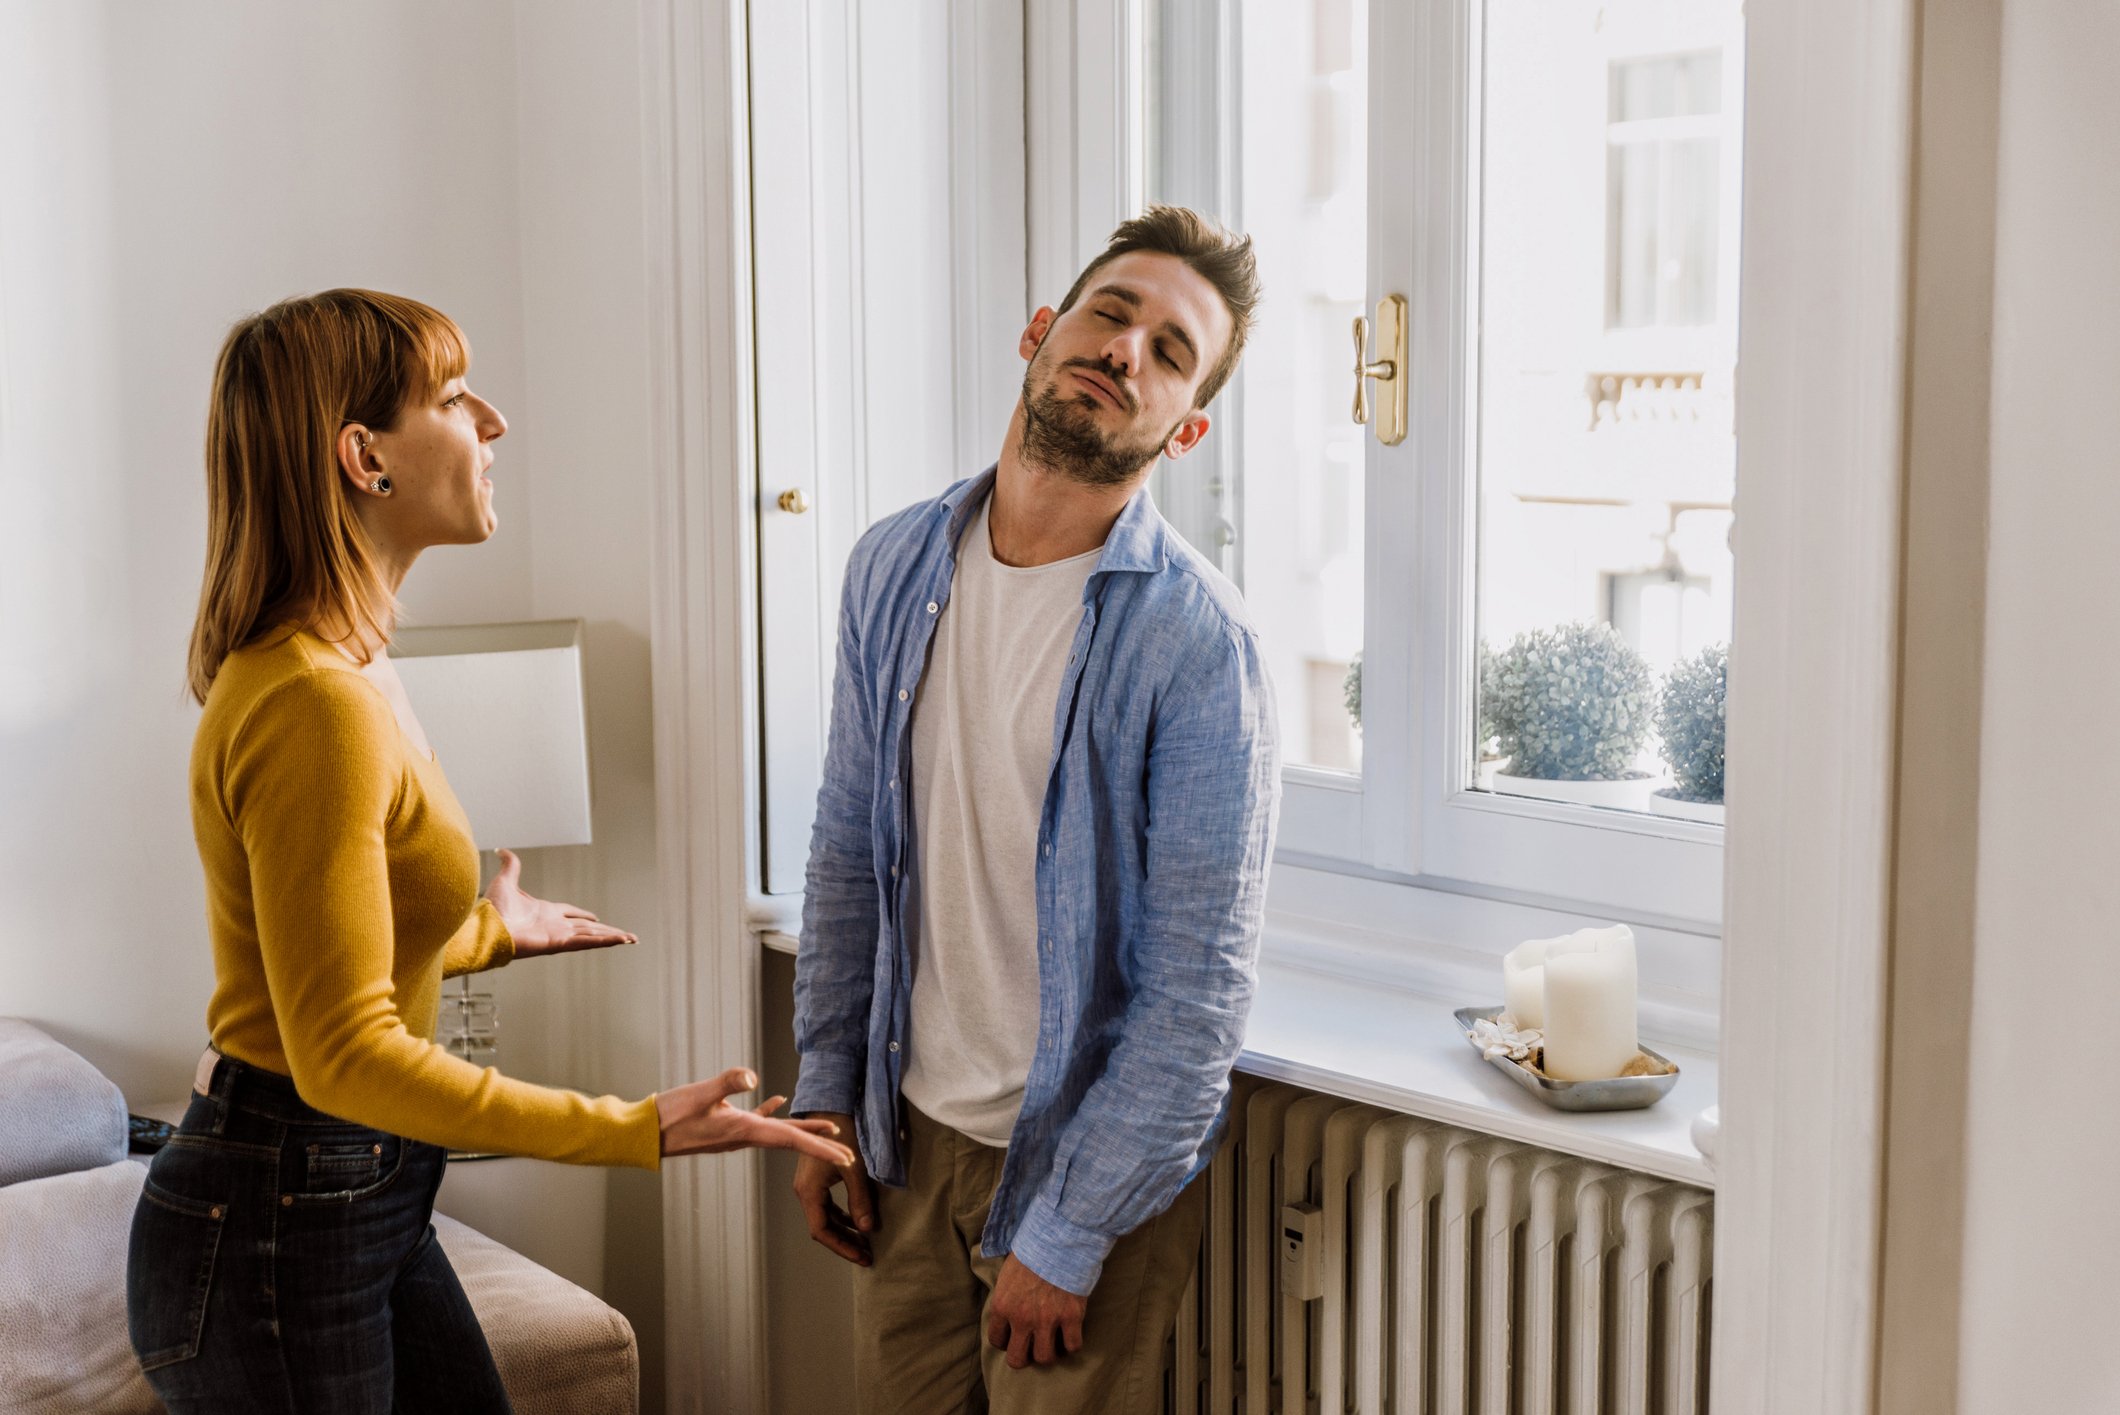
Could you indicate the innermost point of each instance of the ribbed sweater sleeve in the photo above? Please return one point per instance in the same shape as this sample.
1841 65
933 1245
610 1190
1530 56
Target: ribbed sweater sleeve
314 777
482 943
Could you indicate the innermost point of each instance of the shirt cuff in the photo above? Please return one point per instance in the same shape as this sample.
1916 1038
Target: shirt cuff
1058 1249
830 1081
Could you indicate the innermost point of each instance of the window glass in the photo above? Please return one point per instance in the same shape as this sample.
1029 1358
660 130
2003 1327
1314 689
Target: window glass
1604 450
1276 494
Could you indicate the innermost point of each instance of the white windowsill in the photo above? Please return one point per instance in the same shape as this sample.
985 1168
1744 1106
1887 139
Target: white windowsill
1402 1050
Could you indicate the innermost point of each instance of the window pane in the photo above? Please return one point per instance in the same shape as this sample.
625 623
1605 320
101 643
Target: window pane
1670 86
1275 496
1693 185
1604 449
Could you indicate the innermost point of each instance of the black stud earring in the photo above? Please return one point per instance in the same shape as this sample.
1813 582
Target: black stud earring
381 486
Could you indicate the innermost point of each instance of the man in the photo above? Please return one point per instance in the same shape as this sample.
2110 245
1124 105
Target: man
1038 869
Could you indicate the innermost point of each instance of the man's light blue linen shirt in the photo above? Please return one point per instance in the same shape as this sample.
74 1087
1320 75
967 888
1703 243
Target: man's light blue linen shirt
1153 845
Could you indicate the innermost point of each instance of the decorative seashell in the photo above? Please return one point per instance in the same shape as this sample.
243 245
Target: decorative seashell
1500 1036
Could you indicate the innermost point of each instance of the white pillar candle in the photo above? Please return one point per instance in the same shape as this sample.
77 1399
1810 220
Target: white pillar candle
1590 1014
1524 972
1524 983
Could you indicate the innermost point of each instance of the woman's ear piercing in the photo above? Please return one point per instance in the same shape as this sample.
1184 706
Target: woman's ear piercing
380 486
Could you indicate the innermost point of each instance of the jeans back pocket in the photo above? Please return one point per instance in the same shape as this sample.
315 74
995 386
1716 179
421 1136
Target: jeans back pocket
169 1267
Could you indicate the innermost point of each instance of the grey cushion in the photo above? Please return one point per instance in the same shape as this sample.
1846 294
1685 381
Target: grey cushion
57 1112
63 1342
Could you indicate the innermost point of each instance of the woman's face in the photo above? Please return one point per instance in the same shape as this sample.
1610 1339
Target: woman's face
437 458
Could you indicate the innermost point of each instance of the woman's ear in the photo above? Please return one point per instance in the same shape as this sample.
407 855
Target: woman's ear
358 462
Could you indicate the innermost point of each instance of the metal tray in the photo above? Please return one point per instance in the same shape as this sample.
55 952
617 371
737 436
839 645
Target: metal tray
1617 1093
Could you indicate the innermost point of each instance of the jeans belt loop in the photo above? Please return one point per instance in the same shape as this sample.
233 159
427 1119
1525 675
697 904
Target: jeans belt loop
214 1081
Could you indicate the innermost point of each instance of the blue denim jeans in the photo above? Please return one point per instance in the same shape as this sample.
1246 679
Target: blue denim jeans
283 1261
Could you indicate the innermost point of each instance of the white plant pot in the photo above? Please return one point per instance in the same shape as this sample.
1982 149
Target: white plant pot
1663 803
1631 794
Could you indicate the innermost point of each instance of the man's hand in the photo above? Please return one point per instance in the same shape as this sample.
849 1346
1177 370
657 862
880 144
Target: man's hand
844 1231
1031 1319
540 926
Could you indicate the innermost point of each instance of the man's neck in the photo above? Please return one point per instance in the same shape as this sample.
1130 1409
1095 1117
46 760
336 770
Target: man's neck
1040 514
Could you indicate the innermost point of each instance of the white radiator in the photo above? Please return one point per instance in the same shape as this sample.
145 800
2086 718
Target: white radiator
1356 1260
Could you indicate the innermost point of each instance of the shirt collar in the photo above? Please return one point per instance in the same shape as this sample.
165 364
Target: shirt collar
1136 543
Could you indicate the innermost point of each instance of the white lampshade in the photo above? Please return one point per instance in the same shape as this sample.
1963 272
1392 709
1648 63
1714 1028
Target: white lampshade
502 707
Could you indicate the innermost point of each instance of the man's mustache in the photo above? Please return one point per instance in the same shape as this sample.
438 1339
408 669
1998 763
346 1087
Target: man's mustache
1112 376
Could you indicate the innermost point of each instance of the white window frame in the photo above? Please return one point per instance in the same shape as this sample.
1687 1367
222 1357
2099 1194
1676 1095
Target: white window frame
889 275
1829 156
1410 814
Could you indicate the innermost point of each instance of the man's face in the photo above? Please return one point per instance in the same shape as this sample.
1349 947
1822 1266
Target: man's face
1112 382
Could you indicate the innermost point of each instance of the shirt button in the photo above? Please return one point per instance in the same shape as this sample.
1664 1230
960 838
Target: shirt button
894 783
902 695
894 872
933 607
1048 847
894 1046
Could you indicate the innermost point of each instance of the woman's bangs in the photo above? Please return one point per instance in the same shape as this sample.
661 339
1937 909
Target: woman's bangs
440 351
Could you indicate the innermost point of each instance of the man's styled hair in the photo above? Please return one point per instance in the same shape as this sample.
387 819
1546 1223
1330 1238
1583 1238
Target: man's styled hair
1223 260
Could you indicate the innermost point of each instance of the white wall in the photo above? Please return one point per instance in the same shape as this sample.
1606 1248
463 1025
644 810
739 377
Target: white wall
583 249
2042 1231
163 171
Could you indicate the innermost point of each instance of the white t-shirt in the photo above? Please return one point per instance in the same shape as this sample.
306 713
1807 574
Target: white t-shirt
982 747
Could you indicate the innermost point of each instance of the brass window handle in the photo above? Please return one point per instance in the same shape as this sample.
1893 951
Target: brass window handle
1389 371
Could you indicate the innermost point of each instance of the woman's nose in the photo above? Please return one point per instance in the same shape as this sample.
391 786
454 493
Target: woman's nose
493 424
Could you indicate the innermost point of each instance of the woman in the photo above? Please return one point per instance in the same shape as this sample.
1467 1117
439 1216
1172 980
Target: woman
281 1254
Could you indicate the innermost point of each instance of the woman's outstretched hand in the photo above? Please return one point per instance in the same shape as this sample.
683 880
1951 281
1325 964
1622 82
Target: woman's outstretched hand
698 1120
541 926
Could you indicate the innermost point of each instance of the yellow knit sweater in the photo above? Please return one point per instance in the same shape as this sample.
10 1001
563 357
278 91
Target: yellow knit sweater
341 888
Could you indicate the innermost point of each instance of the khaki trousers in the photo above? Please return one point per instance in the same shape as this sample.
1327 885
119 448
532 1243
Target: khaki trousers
920 1343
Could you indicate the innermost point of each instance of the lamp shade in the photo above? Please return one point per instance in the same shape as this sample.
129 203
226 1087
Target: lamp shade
502 706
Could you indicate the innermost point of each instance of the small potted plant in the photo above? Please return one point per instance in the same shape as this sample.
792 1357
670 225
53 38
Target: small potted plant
1690 718
1570 709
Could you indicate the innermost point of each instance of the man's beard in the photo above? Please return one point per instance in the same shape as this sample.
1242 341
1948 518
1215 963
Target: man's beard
1061 434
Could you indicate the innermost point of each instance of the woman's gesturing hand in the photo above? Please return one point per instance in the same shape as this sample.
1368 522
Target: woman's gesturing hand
541 926
698 1119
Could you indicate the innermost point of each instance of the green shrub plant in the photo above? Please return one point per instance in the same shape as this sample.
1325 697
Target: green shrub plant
1570 703
1690 720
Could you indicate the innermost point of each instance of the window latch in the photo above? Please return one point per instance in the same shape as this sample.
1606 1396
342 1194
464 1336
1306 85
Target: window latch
1389 371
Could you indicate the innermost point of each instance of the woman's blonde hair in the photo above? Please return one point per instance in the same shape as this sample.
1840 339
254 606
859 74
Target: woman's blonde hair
282 542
